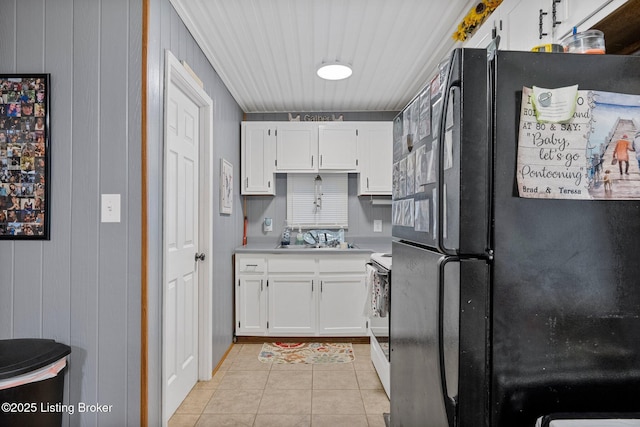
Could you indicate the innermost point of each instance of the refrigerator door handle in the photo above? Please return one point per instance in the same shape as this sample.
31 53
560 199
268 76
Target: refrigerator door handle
450 401
452 89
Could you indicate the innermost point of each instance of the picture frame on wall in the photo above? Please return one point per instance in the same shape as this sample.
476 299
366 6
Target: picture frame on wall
24 156
226 187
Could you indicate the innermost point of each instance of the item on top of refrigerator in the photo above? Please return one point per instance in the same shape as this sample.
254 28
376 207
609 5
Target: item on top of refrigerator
590 41
549 47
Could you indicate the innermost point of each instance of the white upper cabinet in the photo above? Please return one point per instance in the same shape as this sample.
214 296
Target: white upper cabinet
337 146
581 14
375 158
311 147
524 24
297 147
258 156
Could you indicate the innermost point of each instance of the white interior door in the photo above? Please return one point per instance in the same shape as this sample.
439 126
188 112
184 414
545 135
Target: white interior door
181 245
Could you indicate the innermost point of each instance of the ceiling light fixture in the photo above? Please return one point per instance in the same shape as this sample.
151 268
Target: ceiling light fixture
334 71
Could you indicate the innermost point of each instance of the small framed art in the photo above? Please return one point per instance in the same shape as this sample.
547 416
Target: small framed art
226 187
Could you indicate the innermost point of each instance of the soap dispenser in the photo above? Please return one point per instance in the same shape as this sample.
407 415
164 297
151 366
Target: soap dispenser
299 237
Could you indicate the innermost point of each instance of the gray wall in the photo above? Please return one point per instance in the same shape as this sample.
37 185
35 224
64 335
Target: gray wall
82 287
167 31
361 212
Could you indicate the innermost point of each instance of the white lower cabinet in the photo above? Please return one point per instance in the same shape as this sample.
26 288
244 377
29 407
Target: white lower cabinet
341 304
292 306
300 295
251 296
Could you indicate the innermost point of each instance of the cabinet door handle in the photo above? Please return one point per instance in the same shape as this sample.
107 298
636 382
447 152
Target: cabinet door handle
311 161
367 183
312 286
269 184
246 185
321 285
320 159
554 9
260 285
540 30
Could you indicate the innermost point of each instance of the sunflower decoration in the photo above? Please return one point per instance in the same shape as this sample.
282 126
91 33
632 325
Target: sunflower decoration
475 18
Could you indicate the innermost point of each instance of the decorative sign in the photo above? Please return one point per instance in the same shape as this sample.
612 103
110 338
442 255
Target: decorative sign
593 155
24 156
316 118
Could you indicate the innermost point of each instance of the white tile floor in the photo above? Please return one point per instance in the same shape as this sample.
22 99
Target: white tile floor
247 392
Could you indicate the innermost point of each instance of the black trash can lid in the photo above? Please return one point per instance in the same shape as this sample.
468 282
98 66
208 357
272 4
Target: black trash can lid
19 356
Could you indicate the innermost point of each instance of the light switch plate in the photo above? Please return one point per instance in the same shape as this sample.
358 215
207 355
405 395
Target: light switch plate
110 208
268 225
377 226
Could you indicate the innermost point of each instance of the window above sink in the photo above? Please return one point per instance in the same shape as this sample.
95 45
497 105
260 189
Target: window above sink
313 202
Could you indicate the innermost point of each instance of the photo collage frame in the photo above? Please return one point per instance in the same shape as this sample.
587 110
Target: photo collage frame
24 156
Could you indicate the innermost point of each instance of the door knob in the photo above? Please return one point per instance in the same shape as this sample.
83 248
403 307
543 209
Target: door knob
199 257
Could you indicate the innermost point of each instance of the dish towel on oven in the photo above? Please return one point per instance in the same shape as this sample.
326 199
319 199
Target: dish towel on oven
369 309
377 304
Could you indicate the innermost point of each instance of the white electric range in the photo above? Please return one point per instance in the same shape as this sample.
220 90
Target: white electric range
379 277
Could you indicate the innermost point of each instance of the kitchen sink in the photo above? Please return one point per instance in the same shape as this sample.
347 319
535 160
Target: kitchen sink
316 247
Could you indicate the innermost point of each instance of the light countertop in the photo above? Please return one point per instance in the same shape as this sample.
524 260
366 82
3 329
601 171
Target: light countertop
271 248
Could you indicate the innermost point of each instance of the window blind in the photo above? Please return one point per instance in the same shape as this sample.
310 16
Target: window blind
301 207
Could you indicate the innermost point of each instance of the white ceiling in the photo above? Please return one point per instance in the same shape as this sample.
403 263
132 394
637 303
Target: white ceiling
267 51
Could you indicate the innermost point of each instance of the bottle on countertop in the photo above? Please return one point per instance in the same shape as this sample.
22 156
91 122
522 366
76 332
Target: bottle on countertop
286 237
299 237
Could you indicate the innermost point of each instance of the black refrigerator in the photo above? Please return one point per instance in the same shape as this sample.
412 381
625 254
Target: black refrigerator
507 308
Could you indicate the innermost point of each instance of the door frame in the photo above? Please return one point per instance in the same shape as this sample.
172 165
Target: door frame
178 76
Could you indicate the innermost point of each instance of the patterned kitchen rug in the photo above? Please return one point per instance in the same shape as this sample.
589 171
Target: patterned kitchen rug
306 352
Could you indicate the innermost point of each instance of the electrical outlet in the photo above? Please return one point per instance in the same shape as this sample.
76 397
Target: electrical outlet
377 226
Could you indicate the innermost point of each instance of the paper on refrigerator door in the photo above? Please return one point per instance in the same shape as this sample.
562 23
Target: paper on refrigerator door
411 175
421 168
402 190
422 215
424 127
435 121
407 212
431 162
448 149
554 105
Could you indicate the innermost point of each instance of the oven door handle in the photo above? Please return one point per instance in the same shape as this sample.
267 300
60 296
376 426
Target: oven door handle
379 270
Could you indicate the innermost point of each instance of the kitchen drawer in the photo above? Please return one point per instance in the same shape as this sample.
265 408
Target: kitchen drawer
342 264
289 264
251 265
